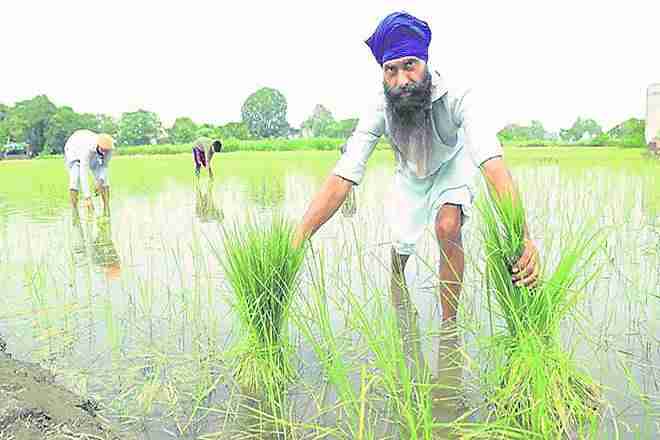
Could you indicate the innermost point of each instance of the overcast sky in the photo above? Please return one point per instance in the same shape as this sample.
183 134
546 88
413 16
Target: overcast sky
547 60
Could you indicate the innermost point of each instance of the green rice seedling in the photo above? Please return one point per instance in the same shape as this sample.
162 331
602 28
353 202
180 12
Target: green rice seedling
538 386
261 266
313 319
35 281
115 335
404 376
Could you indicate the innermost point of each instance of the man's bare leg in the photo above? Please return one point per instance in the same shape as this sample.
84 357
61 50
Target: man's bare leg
452 259
105 196
73 195
446 392
407 316
398 282
75 214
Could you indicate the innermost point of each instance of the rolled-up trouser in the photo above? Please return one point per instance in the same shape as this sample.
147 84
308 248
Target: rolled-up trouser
415 202
74 174
100 175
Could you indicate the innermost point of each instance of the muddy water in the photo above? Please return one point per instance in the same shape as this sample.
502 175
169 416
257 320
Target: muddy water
135 311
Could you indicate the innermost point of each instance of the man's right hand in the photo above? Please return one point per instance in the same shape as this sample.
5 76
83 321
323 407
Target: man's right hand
325 203
298 237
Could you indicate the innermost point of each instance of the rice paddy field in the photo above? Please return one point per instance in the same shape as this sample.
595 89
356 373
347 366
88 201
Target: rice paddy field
156 313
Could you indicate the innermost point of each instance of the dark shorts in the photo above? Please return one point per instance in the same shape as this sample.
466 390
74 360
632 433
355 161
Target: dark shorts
199 156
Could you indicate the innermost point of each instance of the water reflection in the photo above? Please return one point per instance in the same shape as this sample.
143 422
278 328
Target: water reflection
446 379
4 220
205 208
256 416
267 193
93 244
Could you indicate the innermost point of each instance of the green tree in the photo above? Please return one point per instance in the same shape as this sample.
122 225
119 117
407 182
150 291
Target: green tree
630 133
106 124
139 128
4 133
265 113
536 130
28 120
4 110
319 123
208 131
236 130
632 130
516 132
341 129
62 124
183 131
580 128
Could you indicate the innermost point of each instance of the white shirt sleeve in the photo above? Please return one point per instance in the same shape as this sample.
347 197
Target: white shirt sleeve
361 144
480 134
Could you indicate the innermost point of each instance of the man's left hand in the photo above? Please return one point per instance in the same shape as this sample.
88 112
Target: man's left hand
527 268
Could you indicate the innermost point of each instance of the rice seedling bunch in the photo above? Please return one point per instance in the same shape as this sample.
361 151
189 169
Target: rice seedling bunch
261 266
538 387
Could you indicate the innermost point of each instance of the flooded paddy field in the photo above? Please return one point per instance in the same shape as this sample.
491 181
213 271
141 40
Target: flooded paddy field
134 312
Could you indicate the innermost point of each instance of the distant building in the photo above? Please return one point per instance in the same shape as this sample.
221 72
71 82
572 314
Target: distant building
16 150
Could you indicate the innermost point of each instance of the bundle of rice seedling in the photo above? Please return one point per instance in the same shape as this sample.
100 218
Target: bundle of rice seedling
261 266
538 386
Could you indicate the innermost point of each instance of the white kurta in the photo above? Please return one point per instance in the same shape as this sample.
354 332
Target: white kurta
452 167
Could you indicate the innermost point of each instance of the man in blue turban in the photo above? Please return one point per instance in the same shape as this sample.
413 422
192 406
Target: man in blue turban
440 143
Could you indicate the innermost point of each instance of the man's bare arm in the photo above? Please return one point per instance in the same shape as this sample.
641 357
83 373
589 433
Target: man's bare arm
326 202
499 177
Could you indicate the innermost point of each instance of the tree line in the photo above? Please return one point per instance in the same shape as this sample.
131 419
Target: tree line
629 133
44 127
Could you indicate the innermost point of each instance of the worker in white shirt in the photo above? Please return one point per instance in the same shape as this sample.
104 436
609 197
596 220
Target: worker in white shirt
87 151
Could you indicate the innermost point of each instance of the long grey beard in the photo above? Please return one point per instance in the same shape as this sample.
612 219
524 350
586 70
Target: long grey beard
412 135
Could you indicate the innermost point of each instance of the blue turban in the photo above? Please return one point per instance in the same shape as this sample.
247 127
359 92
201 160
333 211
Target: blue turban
400 35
